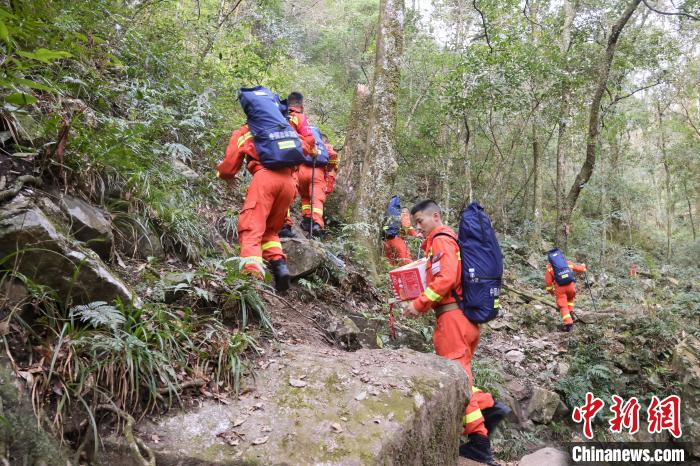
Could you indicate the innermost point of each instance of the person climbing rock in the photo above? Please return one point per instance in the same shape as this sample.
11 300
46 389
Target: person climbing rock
559 282
332 167
455 337
267 201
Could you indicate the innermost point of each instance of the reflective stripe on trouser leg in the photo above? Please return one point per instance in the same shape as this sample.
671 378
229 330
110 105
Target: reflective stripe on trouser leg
253 264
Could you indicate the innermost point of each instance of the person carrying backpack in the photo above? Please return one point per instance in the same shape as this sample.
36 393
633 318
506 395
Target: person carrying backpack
455 337
395 248
272 151
559 282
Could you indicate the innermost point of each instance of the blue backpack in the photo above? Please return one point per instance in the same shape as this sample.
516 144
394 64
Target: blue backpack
322 157
482 265
563 274
276 142
394 214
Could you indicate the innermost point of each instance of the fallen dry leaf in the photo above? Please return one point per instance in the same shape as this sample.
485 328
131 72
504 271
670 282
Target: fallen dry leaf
4 328
155 438
361 396
337 428
261 440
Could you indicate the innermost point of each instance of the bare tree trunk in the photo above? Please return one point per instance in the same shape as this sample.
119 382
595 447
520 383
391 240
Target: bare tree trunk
690 208
564 109
667 182
379 163
586 170
537 182
353 153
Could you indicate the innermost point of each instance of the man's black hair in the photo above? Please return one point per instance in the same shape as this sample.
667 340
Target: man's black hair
427 204
295 99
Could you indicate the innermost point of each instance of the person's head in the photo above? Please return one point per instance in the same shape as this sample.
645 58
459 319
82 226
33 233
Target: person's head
426 216
295 99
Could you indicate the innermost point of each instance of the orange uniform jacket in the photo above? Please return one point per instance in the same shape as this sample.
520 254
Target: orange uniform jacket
239 146
331 168
300 123
444 270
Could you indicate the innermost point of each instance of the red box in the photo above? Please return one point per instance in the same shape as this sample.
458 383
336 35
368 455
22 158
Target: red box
408 281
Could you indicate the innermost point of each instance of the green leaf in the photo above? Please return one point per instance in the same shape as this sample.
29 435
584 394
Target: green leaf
45 55
20 98
4 33
33 84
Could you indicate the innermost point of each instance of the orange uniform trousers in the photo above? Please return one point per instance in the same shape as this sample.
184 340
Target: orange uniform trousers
456 338
565 295
267 200
396 251
319 194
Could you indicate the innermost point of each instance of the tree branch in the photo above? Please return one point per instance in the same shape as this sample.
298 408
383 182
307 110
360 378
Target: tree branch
483 23
671 13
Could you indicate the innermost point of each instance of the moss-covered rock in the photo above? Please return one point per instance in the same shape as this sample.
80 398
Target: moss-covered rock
314 406
22 441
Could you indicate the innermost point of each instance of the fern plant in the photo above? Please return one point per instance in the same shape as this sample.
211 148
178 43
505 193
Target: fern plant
98 314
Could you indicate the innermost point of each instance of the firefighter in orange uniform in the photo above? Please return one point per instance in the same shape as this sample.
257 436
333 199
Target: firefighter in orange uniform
395 249
267 200
455 337
300 122
564 294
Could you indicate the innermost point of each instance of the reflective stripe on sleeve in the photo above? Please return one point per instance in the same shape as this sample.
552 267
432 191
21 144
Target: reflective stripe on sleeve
431 295
473 416
318 211
566 316
271 244
244 138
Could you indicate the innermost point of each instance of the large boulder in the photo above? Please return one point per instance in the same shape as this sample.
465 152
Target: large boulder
39 251
89 225
542 405
325 406
303 256
686 364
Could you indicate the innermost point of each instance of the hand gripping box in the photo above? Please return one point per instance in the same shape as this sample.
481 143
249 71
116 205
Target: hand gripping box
408 281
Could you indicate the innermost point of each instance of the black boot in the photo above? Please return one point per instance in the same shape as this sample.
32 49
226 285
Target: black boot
305 225
478 448
287 232
316 230
568 328
280 273
494 415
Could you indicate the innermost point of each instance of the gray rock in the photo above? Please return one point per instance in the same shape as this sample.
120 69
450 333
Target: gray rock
28 443
546 456
686 364
515 356
137 239
416 421
89 225
345 331
303 256
176 284
542 405
629 363
647 284
184 170
47 257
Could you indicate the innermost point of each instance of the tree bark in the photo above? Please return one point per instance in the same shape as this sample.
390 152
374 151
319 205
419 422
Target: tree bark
667 182
353 153
586 169
379 161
